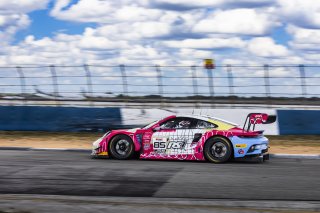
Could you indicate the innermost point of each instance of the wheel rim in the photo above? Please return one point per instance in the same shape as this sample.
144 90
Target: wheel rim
219 150
122 147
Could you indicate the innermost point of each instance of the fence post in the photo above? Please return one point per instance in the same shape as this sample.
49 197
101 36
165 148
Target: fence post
89 81
195 84
194 80
159 76
230 80
267 85
267 80
230 84
22 83
160 85
303 80
124 79
210 82
54 83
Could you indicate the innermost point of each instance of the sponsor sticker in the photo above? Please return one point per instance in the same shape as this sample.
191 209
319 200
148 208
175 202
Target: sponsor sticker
241 145
146 146
147 136
159 139
176 145
240 151
160 151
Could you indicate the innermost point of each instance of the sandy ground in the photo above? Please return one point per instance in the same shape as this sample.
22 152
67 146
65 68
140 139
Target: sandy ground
278 144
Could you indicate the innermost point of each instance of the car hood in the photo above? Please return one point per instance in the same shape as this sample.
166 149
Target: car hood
125 130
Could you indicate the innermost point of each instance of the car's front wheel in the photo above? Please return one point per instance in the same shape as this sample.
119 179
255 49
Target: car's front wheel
121 147
217 150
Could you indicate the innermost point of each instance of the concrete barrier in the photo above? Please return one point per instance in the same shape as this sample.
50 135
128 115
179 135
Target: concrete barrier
67 119
75 119
299 122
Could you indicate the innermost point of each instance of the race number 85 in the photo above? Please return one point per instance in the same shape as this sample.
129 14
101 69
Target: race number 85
159 145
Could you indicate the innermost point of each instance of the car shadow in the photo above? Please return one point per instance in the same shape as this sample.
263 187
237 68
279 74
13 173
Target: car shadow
231 161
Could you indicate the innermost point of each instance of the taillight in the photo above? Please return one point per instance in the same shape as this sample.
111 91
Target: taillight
249 136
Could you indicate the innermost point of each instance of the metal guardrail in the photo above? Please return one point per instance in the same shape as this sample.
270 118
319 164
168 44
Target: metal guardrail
192 84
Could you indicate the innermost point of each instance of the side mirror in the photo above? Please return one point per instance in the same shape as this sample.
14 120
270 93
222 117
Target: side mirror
157 128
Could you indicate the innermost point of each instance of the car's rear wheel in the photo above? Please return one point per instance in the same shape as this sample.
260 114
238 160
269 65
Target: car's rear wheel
121 147
217 150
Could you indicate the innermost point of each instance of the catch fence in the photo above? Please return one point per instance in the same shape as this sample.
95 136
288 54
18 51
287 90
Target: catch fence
90 84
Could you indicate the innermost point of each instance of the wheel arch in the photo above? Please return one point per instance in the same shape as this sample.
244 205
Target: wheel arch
108 143
129 138
224 137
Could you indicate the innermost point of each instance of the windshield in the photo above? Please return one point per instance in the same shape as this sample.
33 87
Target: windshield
150 125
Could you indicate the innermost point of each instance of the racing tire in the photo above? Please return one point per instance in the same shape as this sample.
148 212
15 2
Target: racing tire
121 147
217 150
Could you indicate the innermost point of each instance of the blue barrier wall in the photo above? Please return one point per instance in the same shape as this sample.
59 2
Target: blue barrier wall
299 122
68 119
75 119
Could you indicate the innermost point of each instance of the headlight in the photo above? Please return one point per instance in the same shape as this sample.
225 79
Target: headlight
97 142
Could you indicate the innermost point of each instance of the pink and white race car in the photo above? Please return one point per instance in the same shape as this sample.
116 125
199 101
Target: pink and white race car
188 137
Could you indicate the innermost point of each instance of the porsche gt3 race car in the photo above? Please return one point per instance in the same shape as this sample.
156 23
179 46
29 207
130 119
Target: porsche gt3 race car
188 137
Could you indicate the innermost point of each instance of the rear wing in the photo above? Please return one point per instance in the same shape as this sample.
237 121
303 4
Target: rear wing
258 118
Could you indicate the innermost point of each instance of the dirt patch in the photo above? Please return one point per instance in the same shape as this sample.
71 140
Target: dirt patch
295 144
290 144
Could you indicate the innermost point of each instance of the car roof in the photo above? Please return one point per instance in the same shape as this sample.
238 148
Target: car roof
206 118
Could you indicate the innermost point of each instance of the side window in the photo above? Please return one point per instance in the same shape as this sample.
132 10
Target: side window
205 125
168 124
183 123
178 123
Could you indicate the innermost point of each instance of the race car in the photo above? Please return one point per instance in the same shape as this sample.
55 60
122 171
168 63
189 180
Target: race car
188 137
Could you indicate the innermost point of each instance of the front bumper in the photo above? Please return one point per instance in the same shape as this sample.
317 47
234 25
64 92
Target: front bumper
96 151
94 154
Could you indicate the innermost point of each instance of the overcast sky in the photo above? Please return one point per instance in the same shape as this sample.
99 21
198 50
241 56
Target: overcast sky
159 31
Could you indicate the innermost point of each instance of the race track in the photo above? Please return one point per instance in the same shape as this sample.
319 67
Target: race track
74 173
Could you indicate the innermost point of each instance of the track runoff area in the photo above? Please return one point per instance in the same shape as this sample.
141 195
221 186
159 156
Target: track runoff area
50 181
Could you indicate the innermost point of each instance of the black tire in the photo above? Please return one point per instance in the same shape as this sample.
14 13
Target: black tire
121 147
217 150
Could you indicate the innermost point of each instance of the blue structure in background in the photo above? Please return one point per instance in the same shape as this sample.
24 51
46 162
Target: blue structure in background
66 119
299 122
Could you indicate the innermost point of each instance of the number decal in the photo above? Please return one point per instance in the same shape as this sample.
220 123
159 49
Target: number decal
159 145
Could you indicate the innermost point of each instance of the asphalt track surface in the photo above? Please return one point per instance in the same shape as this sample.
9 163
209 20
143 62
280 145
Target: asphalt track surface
75 173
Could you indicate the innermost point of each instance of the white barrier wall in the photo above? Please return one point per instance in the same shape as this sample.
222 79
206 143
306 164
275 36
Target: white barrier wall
238 116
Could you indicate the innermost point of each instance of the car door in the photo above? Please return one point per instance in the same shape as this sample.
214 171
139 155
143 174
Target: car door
177 136
194 133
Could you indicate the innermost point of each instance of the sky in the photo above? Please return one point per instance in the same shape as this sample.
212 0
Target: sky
165 32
